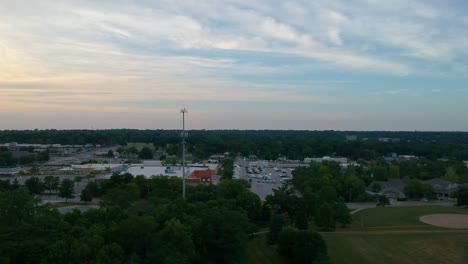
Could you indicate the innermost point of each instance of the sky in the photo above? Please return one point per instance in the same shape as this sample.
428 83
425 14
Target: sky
235 64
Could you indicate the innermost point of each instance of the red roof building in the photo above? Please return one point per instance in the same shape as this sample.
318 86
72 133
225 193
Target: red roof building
200 176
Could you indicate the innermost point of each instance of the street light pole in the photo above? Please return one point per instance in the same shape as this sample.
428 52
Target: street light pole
184 136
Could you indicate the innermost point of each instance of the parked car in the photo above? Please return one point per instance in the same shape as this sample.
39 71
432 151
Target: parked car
286 180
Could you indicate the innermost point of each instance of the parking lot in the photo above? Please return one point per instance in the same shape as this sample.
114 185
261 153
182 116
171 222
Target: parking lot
263 179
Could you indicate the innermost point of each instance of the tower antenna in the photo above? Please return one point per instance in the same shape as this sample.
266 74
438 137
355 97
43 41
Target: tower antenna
183 135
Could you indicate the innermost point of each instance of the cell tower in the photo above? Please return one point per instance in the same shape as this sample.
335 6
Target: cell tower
183 135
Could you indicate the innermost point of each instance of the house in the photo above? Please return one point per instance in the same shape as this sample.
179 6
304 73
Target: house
407 158
200 176
392 188
441 188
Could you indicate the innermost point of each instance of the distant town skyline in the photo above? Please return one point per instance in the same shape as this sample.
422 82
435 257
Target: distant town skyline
299 65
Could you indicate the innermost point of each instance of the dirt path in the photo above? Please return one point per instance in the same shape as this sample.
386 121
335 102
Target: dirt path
446 220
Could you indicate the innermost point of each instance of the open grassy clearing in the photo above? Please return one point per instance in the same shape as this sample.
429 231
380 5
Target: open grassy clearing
399 217
395 235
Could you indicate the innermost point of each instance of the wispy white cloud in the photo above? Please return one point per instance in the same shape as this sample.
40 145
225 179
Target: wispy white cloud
84 52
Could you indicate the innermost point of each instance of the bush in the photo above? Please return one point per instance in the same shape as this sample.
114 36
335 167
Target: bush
462 196
276 224
326 218
302 246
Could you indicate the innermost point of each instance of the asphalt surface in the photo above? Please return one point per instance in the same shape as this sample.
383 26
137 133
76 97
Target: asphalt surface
79 157
260 187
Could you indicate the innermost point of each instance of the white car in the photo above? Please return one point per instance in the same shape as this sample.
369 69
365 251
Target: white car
286 180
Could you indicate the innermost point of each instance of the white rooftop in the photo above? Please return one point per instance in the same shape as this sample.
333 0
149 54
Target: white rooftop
149 171
95 166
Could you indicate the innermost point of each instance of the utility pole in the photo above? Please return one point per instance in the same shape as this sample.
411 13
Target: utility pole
183 135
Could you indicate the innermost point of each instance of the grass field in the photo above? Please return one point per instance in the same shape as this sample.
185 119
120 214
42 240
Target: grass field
395 235
259 252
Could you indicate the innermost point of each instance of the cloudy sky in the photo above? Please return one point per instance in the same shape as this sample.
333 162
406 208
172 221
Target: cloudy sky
343 65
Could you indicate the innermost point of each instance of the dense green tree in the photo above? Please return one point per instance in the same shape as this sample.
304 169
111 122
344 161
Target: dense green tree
110 153
15 185
177 244
462 196
122 196
416 189
451 175
222 236
34 185
328 194
283 200
251 204
93 188
34 169
78 179
266 144
132 150
5 185
110 254
86 196
286 240
276 224
302 246
301 220
146 153
135 234
51 183
227 169
309 247
171 160
383 200
343 215
66 190
326 217
16 206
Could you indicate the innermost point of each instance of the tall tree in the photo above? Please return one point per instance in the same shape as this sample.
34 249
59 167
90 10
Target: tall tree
66 190
34 185
309 247
462 196
276 224
78 179
326 217
51 183
146 153
85 195
286 239
343 215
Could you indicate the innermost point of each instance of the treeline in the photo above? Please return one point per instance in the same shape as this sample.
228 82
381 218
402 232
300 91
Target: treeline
140 221
7 159
266 144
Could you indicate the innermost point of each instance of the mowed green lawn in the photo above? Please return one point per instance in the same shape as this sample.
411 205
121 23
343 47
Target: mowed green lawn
260 252
395 235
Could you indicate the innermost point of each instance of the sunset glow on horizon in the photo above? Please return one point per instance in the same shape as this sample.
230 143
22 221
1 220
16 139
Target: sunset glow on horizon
318 65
